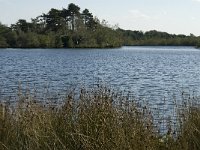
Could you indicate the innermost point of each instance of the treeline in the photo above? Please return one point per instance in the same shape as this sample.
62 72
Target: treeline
73 28
156 38
66 28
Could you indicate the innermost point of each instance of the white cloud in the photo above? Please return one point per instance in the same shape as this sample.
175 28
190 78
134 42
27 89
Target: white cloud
164 13
193 18
196 0
138 14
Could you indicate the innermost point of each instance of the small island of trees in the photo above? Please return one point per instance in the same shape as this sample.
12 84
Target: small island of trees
73 28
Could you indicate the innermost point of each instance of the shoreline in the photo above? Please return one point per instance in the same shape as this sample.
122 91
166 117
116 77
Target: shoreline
76 48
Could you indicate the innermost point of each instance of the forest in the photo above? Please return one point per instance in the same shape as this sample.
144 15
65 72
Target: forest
73 28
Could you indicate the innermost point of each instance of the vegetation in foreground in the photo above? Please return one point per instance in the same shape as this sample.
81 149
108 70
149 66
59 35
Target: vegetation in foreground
94 119
73 28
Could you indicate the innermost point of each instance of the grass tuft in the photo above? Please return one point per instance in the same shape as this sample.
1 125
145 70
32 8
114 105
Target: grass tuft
92 119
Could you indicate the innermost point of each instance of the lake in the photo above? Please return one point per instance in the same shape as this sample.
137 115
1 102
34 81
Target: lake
150 73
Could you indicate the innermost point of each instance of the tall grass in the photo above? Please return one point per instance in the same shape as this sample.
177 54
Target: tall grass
93 119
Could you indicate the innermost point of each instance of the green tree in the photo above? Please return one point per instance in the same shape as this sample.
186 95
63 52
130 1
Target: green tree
54 20
88 19
74 14
11 38
3 43
22 25
4 31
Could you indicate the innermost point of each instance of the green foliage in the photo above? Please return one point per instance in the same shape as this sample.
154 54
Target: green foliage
4 31
71 28
156 38
66 28
3 43
11 38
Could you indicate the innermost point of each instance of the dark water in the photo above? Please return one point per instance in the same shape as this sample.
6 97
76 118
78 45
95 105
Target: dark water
151 73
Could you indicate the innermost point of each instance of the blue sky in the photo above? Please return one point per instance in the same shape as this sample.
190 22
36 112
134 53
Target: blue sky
173 16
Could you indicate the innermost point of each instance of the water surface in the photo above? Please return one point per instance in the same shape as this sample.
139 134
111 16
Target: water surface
151 73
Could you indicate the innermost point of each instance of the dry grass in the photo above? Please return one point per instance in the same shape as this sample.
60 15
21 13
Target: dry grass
94 119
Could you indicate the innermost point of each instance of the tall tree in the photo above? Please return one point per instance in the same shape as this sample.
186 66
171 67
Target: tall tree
22 25
74 14
66 15
88 19
54 20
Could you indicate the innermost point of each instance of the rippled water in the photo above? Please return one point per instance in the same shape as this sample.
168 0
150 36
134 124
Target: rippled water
149 72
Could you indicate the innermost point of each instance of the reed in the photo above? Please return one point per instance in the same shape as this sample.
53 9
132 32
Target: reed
92 119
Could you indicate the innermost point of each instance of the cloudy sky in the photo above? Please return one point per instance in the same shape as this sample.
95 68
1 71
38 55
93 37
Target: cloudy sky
173 16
